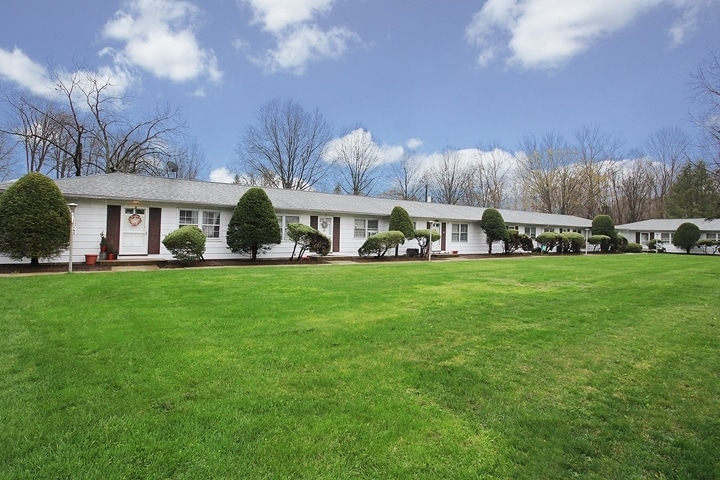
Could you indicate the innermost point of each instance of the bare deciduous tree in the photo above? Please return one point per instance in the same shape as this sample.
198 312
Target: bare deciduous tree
285 147
448 180
633 183
706 85
5 156
407 178
37 125
84 129
596 155
668 149
495 177
357 160
187 162
547 172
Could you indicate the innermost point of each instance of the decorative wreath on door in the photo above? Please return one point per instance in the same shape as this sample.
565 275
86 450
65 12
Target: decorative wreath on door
324 223
135 219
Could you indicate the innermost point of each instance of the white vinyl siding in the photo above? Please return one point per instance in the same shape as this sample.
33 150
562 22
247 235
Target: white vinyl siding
210 221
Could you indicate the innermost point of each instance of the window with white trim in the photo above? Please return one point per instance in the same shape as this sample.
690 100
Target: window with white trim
459 232
365 228
210 221
211 224
188 217
286 220
666 237
530 232
712 236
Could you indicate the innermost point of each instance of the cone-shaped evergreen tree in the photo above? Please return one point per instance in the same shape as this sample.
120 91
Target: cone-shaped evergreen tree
494 226
253 226
400 221
34 219
604 225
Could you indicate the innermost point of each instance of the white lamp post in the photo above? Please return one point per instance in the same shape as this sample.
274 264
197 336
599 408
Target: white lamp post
587 235
72 207
430 242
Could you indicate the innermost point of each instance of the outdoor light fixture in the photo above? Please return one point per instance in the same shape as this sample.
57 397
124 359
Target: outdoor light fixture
430 242
587 236
72 207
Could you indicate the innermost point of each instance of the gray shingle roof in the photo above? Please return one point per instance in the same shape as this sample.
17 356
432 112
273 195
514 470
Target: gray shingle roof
670 225
127 187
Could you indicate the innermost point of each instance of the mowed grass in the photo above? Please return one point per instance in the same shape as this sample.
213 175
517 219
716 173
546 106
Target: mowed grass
555 367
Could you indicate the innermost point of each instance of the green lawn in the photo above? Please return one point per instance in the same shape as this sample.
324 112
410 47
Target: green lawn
594 367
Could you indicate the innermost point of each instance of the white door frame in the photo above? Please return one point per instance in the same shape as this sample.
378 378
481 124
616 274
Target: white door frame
134 231
326 229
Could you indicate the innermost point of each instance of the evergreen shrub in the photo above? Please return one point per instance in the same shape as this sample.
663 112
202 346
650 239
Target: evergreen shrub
380 243
186 244
34 219
633 248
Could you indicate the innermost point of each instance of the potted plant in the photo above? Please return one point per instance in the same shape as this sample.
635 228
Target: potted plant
103 246
111 252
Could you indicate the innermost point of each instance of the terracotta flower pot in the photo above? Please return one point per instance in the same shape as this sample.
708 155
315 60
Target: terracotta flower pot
91 258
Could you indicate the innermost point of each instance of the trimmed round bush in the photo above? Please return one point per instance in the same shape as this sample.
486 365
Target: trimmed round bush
601 240
573 242
308 239
380 243
708 246
633 248
186 244
516 241
319 243
422 236
686 236
621 244
548 240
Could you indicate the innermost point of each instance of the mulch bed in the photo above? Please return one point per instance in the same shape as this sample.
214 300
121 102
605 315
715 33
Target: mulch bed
100 266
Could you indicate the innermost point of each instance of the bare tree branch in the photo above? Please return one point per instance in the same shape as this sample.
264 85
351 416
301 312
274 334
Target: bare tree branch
285 147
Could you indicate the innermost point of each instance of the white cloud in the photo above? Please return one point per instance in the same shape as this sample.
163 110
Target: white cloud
277 15
498 158
386 153
222 175
299 40
549 33
414 143
687 23
390 153
19 68
306 44
26 73
199 92
159 37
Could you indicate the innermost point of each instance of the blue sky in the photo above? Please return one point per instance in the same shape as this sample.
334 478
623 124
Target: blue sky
427 74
